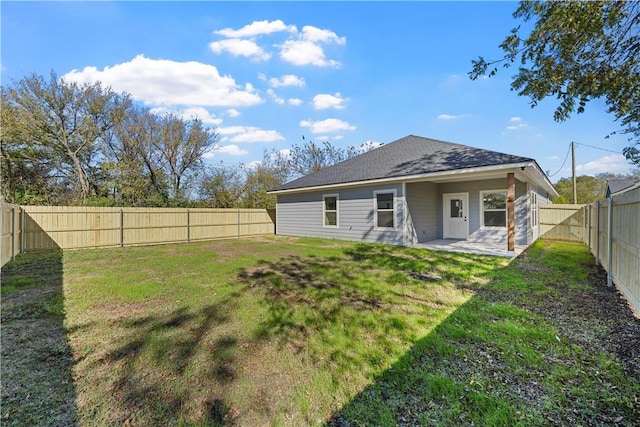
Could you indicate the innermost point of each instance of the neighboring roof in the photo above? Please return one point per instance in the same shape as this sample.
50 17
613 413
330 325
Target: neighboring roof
616 185
408 156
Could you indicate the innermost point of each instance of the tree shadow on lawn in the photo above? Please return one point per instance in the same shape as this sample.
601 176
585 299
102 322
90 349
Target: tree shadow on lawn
173 369
37 363
353 314
508 357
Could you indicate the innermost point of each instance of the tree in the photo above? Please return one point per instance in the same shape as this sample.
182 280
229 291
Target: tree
588 188
63 124
308 157
181 147
577 51
259 180
156 158
222 187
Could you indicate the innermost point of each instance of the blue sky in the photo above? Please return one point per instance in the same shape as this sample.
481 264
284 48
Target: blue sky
267 73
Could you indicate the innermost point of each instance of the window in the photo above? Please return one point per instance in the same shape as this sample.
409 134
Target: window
385 209
494 208
534 209
330 210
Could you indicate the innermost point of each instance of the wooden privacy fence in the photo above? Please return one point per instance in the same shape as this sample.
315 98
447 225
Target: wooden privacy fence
611 230
612 233
32 228
11 236
562 222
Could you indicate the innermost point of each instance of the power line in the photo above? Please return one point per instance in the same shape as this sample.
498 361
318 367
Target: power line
565 161
598 148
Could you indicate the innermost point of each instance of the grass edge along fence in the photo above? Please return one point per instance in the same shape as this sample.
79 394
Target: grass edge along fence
612 233
33 228
609 226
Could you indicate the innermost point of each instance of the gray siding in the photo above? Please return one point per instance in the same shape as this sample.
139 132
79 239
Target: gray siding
301 215
474 188
423 203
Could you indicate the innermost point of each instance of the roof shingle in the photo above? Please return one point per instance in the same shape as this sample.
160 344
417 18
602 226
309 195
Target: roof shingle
408 156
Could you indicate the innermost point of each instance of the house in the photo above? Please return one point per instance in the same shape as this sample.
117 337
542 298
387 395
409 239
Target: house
615 186
416 190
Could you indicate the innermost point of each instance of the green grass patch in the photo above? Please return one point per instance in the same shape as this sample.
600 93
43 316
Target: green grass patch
287 331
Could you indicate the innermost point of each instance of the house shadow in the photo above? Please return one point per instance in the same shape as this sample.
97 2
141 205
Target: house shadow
37 361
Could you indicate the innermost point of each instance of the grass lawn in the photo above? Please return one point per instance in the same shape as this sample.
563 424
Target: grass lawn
286 331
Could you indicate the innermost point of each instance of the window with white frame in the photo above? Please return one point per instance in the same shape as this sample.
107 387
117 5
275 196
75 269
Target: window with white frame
385 209
534 209
330 210
494 208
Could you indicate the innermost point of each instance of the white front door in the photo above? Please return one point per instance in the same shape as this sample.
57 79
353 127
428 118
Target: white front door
455 224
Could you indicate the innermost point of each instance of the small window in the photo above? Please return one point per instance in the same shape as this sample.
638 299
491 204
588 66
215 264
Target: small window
385 210
330 210
534 210
494 208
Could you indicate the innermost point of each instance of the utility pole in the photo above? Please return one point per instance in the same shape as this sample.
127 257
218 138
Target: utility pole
573 171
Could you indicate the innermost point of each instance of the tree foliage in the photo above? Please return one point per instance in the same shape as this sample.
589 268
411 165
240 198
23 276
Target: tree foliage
588 188
577 51
64 143
58 128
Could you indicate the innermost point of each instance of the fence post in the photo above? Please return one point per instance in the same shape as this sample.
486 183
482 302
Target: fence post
610 241
22 223
589 227
238 222
121 228
13 233
188 225
598 232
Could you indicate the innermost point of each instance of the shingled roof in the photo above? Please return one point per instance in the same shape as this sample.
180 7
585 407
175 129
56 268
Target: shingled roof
615 185
408 156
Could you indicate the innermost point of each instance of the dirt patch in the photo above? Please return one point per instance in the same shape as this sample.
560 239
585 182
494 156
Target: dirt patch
593 314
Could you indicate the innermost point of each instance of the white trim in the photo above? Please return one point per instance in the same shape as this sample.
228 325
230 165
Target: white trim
375 209
481 199
324 212
420 177
444 212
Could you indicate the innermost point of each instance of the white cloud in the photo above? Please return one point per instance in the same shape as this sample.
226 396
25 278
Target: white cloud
517 127
238 47
315 34
307 49
262 76
248 134
327 126
231 149
287 80
614 163
166 82
448 117
553 158
257 28
285 153
189 114
232 112
275 97
294 101
516 123
323 101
